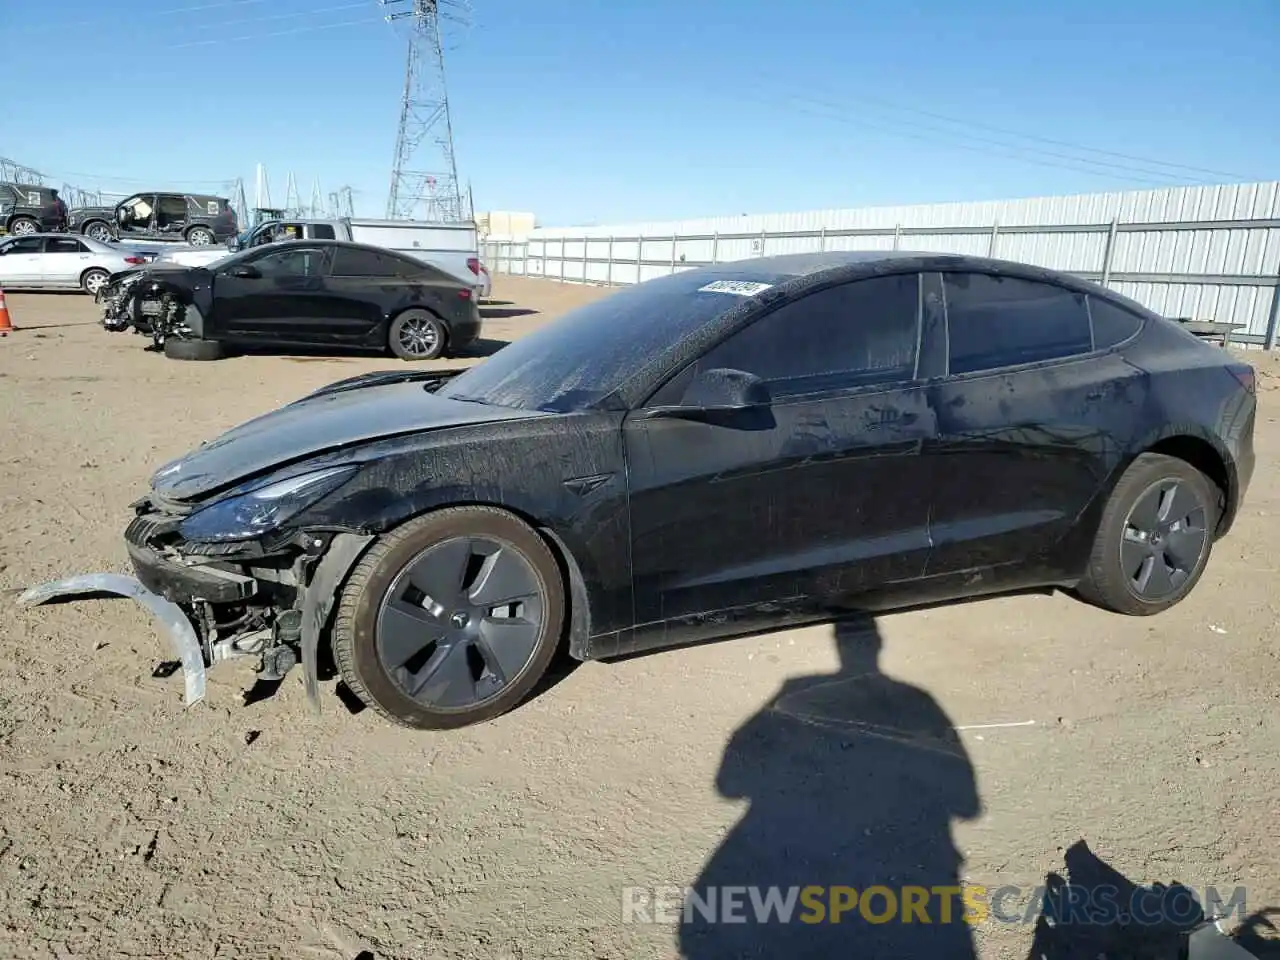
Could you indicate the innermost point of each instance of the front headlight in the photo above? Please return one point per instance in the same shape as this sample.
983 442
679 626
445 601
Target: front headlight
261 510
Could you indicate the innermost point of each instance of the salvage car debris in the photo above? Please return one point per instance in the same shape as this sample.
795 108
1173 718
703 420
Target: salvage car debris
685 460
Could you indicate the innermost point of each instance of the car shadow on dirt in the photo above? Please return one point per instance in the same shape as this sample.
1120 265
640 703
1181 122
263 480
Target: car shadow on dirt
484 347
853 780
498 313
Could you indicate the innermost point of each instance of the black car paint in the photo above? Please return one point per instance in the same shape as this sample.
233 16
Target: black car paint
16 205
673 530
353 312
222 223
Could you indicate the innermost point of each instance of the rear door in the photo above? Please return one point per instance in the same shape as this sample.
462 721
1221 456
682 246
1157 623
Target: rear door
288 303
20 261
1028 413
360 282
64 259
821 496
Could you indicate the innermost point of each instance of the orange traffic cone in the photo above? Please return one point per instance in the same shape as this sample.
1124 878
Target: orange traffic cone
5 323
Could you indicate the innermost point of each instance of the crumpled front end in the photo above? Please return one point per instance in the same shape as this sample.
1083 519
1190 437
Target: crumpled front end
149 305
265 598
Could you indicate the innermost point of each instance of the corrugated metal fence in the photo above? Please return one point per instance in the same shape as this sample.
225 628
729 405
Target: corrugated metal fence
1209 253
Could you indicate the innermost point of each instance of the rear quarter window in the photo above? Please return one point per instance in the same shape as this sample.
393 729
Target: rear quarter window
1111 324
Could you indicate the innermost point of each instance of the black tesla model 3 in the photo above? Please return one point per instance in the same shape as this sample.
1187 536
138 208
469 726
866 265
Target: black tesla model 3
754 444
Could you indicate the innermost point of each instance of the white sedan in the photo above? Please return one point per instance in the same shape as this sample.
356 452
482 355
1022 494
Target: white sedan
60 261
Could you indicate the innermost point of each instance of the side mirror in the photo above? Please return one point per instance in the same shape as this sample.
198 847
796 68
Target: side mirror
717 396
246 271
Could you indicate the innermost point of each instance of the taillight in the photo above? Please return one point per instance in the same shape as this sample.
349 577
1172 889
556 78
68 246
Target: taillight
135 259
465 293
1245 374
473 264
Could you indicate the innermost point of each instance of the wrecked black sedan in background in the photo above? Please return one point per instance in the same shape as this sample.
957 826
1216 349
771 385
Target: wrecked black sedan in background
306 293
750 445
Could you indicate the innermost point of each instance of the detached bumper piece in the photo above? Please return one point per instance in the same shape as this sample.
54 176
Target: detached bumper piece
182 636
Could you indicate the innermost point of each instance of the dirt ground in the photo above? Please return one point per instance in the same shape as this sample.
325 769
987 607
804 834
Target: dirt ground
133 827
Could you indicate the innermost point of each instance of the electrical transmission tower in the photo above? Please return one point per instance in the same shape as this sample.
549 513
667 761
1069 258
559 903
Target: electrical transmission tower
424 177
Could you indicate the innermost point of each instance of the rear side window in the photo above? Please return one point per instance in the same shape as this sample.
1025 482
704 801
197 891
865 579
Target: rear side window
995 322
1111 324
856 334
322 231
359 263
63 245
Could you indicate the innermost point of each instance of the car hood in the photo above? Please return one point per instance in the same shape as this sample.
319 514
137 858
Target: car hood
175 274
319 423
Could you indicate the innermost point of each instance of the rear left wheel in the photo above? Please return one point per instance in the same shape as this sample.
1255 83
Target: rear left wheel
1155 537
200 236
94 280
450 619
417 335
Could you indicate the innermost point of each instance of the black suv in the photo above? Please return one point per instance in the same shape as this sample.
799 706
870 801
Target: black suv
27 208
194 218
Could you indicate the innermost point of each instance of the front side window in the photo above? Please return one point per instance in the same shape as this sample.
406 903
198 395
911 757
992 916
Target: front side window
25 245
995 322
857 334
296 262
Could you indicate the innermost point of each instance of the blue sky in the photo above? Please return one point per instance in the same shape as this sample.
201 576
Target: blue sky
608 112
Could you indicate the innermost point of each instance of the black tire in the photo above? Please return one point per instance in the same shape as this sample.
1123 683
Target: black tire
363 643
200 237
21 226
177 349
97 230
93 280
1140 568
417 335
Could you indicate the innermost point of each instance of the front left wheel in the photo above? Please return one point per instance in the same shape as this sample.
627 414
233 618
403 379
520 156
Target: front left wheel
450 619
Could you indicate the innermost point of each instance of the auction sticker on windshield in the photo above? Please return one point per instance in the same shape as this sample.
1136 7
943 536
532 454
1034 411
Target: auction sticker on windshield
743 288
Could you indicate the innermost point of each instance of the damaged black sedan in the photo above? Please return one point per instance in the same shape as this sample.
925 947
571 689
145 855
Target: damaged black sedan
304 293
750 445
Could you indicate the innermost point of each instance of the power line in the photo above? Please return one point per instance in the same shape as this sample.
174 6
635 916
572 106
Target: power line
172 11
986 150
288 16
1138 174
274 33
864 98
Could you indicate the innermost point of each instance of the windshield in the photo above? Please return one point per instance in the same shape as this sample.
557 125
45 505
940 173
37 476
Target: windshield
590 352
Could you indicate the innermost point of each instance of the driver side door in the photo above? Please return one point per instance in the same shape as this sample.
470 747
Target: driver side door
140 218
812 500
20 261
284 303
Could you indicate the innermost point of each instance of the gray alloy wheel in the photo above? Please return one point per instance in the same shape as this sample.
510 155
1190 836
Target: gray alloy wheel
1155 538
98 231
1164 539
450 619
200 236
94 279
417 335
21 226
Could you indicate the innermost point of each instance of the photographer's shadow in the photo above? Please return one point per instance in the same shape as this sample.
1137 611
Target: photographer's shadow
853 779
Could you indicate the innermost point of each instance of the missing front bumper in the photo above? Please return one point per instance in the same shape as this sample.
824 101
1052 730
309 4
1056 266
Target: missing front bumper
182 636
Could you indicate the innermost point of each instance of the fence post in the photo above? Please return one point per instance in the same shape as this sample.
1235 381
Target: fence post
763 237
608 268
586 242
562 258
897 236
1269 341
675 237
639 257
524 256
822 239
995 235
715 247
1109 252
